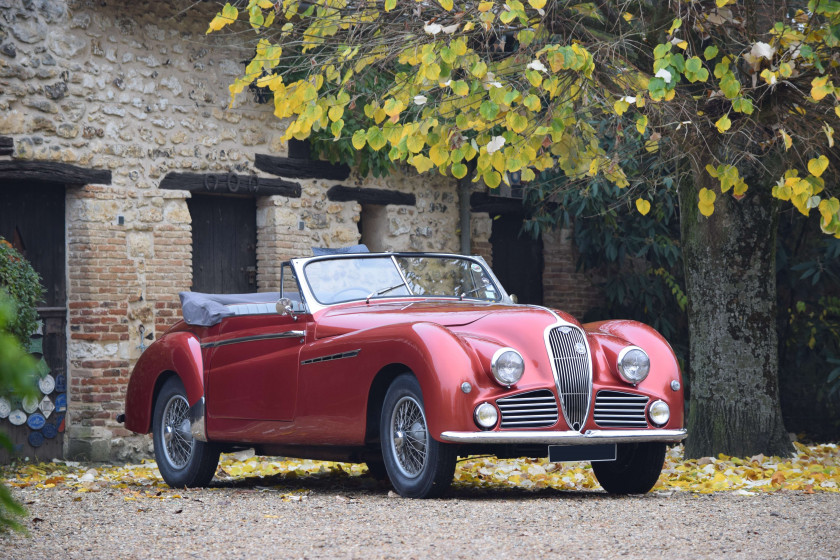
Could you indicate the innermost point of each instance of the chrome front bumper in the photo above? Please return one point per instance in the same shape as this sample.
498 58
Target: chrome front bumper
569 437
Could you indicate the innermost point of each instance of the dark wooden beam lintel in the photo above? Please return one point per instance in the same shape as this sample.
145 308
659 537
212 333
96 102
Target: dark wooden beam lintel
53 172
362 195
7 146
229 183
301 168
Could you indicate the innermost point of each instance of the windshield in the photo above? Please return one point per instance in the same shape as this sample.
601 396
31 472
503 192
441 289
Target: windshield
347 279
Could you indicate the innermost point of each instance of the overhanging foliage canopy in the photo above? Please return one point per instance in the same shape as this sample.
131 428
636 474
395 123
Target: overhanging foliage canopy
513 86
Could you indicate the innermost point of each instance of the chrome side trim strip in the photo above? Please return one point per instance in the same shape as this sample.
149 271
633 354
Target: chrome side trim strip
286 334
566 437
198 428
350 354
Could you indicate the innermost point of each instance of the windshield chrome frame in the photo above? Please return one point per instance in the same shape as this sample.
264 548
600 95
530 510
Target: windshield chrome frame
299 264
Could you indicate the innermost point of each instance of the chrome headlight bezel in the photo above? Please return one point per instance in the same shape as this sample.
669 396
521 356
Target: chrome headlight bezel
628 374
500 366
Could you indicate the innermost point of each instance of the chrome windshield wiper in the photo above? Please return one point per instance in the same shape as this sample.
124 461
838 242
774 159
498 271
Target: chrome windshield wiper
385 291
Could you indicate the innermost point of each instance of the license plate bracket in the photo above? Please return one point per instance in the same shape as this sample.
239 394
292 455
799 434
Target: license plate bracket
574 453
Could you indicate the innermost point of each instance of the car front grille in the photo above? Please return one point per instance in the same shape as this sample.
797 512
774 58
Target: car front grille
614 409
537 409
573 373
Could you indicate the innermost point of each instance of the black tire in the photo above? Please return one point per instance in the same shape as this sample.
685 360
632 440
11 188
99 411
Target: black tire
182 460
376 469
417 465
635 471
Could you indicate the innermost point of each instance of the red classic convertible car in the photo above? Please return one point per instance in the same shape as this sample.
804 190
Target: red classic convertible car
404 361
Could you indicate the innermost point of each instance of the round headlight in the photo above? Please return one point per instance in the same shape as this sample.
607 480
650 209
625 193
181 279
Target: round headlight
659 413
633 364
486 416
507 366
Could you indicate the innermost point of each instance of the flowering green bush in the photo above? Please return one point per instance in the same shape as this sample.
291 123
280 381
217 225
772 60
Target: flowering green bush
23 285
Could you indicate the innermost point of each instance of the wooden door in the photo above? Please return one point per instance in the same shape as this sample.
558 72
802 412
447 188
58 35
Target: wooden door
224 240
32 220
517 259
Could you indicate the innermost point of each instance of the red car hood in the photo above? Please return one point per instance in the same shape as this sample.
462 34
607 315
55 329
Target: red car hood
358 316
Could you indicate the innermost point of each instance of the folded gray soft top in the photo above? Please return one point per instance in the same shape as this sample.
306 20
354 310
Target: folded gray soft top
205 310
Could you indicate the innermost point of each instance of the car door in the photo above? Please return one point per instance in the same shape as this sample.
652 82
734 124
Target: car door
253 367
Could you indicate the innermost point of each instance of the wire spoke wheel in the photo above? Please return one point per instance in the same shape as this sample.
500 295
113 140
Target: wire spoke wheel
417 465
409 436
178 441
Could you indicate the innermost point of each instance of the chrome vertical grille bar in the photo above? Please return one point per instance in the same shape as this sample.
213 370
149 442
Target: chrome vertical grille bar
573 372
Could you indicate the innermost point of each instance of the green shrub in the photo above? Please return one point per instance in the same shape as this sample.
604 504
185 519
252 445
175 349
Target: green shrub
20 281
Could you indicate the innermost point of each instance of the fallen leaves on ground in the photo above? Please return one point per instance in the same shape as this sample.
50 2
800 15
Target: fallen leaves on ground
812 469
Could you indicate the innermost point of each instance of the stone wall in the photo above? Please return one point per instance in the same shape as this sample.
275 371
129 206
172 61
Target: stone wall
139 89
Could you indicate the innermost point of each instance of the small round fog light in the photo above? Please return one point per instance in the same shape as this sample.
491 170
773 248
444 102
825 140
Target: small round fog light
659 413
486 416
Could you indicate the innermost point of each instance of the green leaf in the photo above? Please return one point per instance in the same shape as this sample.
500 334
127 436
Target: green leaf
710 52
743 105
390 5
489 110
459 170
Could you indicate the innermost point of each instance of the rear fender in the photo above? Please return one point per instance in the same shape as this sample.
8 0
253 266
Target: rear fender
178 352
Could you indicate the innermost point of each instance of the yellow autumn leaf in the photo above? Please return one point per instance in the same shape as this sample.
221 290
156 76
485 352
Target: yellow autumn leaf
390 5
485 6
358 139
620 107
683 45
643 206
335 112
492 179
446 4
723 124
837 111
829 207
820 87
817 166
641 124
706 202
438 154
537 4
786 138
415 143
421 163
227 16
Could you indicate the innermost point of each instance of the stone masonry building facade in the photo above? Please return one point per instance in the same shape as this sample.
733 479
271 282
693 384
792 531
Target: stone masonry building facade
118 146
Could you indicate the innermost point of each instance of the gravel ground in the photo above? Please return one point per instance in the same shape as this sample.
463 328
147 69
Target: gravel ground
359 518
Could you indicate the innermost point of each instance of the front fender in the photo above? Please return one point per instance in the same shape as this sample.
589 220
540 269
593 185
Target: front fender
178 352
608 337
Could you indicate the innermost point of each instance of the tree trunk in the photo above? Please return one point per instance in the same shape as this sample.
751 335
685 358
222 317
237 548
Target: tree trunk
730 271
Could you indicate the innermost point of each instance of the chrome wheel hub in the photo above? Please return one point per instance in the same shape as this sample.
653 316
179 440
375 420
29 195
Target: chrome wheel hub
177 439
409 436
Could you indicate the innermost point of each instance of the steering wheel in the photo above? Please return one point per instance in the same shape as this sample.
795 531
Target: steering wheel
344 295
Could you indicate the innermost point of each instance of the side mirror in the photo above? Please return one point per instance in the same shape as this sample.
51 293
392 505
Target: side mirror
514 298
284 307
